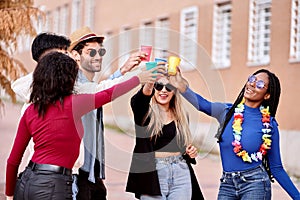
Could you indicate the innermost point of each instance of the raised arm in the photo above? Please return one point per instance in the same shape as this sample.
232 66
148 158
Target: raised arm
214 109
92 101
142 73
133 61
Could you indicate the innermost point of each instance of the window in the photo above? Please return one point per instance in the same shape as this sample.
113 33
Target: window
48 26
124 45
108 58
60 19
259 32
221 45
25 41
56 20
76 15
89 13
146 33
64 18
39 23
188 37
162 37
295 32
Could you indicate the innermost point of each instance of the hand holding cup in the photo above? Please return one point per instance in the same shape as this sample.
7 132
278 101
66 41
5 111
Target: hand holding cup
173 63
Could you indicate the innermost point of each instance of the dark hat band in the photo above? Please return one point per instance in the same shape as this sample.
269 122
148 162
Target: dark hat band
87 36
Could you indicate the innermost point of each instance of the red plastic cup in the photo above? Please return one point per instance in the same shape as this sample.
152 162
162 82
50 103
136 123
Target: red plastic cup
148 50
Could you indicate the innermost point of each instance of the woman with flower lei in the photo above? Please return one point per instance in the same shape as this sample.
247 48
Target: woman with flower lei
248 138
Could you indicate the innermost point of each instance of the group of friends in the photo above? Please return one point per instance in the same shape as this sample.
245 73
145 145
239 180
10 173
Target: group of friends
64 107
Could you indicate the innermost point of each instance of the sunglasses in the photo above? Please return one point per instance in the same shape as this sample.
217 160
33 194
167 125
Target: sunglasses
101 52
160 86
260 84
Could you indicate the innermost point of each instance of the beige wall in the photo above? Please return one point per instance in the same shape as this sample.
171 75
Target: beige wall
224 84
113 14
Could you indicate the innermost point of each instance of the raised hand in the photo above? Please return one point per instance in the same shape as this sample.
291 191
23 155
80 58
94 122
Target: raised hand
151 75
178 81
148 77
134 60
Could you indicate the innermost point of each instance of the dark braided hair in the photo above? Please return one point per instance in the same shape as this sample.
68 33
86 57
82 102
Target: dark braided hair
274 90
53 79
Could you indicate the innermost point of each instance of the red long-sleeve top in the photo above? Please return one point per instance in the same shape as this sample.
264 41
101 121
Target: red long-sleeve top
57 136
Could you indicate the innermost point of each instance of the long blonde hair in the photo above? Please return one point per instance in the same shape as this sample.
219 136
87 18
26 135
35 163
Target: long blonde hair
183 132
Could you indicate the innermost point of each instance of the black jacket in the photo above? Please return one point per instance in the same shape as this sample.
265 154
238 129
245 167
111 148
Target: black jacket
143 178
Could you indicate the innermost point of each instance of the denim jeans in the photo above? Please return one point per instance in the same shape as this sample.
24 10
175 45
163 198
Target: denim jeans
174 179
253 184
39 185
74 186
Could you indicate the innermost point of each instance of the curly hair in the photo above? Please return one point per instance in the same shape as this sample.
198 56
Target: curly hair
53 79
47 41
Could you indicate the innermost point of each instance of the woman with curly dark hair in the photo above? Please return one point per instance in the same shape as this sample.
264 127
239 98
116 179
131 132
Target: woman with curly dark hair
53 120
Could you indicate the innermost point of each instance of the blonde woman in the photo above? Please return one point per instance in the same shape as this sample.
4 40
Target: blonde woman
160 167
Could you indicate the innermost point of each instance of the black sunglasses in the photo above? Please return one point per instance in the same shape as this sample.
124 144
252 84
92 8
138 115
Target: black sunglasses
101 52
160 86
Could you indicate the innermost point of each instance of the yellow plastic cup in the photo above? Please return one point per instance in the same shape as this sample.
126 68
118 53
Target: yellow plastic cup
173 62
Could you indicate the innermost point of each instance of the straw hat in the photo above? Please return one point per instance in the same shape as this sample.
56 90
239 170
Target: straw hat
82 34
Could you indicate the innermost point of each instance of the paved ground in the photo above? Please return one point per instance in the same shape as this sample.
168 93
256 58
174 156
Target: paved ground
118 152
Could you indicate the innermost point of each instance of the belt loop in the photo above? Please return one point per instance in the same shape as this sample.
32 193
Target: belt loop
262 167
33 165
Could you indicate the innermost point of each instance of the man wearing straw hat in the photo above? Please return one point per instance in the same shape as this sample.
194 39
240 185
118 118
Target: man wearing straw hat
87 49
